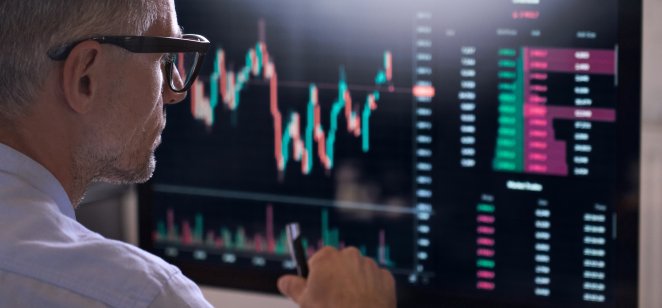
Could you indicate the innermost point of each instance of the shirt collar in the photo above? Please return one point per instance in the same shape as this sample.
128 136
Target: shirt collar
23 167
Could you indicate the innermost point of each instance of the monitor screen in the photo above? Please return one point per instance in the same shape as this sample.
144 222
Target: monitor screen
486 152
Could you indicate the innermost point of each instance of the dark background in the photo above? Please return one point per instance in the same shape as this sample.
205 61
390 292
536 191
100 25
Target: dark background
310 41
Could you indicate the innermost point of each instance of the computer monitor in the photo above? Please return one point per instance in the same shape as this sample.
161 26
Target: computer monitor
484 151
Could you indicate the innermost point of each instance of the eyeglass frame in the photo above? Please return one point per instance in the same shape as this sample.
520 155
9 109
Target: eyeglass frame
149 44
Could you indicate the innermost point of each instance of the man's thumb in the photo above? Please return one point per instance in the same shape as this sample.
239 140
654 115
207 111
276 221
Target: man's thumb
292 286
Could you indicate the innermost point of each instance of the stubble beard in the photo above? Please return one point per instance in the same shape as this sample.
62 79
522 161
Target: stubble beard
139 174
118 166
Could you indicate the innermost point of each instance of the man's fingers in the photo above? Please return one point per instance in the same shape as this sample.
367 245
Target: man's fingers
322 254
388 279
292 286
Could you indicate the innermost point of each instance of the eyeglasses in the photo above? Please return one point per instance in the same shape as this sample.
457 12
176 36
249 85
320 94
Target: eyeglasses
185 55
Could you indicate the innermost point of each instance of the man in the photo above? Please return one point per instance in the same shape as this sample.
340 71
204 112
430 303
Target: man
81 102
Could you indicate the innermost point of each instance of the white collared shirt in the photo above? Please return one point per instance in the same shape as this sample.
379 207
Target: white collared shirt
48 259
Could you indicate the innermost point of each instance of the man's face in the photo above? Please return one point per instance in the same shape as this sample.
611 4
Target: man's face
131 121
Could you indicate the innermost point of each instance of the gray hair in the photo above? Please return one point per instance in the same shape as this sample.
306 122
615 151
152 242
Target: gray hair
29 28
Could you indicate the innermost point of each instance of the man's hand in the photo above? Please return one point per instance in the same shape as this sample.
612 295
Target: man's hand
341 279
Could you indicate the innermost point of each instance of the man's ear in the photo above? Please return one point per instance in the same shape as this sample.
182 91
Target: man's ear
81 73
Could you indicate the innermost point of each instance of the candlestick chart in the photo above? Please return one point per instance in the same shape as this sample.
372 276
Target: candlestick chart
291 139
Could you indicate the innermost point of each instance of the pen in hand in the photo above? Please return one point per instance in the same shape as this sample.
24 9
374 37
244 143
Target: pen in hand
341 278
295 243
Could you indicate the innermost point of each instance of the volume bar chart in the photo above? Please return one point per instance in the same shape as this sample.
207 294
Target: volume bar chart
268 240
196 235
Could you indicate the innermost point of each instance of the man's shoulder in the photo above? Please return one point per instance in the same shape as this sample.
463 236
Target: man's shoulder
123 259
145 277
86 263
